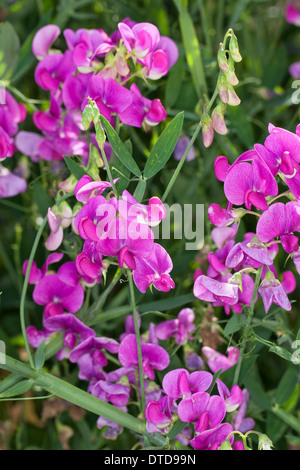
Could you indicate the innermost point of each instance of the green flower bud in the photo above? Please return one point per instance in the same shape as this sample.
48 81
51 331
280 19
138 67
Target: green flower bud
234 49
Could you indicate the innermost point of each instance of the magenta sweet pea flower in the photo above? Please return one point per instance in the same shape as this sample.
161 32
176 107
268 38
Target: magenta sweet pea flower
211 290
217 361
280 220
35 273
202 409
292 13
141 39
179 328
74 331
233 398
272 291
154 356
212 438
85 189
154 270
44 39
240 421
10 184
159 414
180 383
57 296
250 184
150 214
57 223
90 356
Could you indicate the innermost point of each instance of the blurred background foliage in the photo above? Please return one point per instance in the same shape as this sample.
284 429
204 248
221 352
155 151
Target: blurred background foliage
268 46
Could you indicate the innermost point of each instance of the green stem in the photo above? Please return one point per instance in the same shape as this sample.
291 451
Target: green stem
25 285
108 172
250 313
24 290
138 341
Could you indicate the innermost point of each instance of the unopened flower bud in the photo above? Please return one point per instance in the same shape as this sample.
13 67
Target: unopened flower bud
223 88
90 114
230 74
234 49
100 135
217 118
233 99
222 59
207 130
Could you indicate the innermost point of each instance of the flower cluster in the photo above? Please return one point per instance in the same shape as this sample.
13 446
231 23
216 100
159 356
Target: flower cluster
11 114
99 67
185 396
227 80
121 228
252 182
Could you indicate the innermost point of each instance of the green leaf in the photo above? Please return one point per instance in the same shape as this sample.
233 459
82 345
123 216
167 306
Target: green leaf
192 51
239 121
281 352
9 50
9 381
257 393
287 418
74 395
286 385
17 389
215 378
74 168
236 322
119 148
174 82
176 429
39 357
164 147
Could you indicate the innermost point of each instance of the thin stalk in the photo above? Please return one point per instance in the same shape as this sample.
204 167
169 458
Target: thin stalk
249 316
24 290
25 285
108 172
138 341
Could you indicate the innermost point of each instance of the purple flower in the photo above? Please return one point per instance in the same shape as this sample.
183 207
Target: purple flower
272 291
292 13
74 331
154 269
10 184
57 296
179 328
180 383
159 414
212 438
280 220
154 356
202 409
233 398
211 290
44 39
35 273
250 184
181 147
241 423
217 361
90 356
